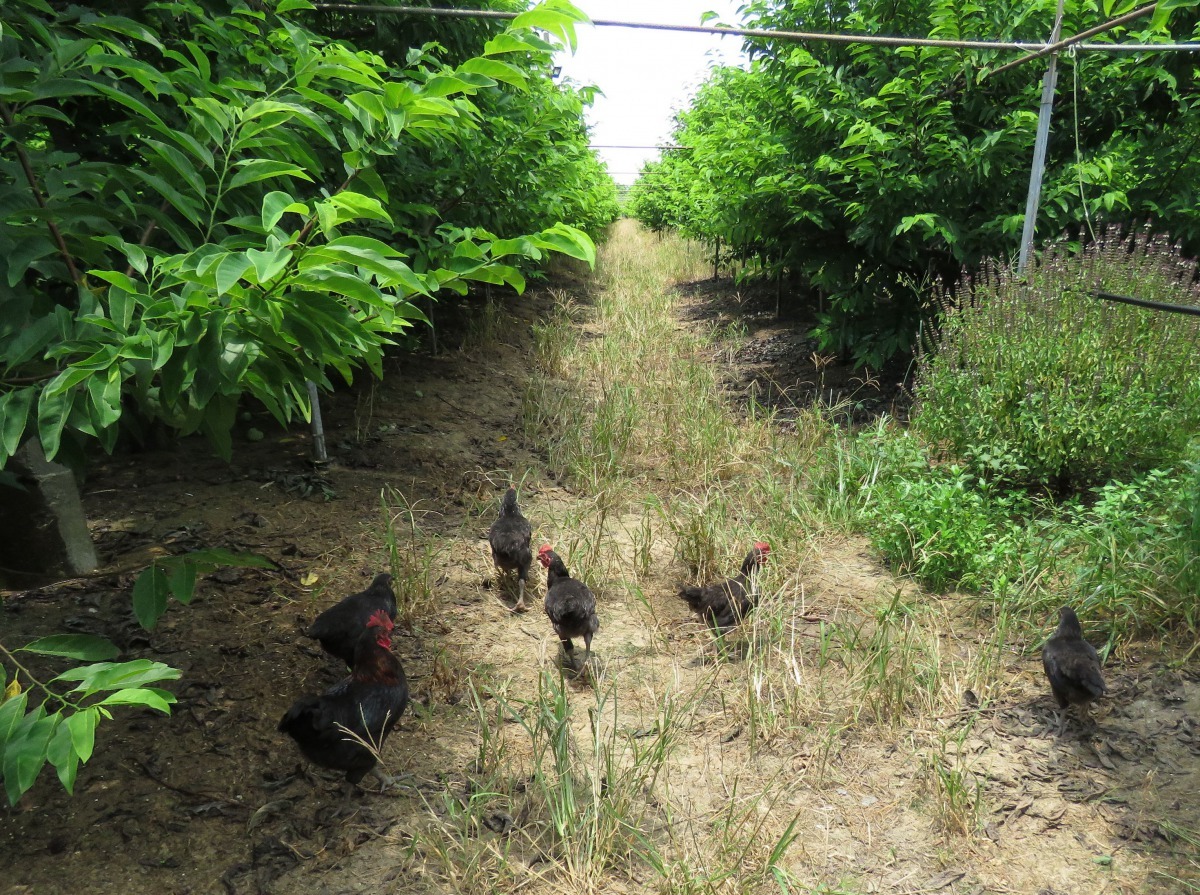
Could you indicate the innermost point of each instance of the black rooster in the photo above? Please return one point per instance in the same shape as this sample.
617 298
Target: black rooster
340 627
569 603
1072 666
724 604
509 536
364 707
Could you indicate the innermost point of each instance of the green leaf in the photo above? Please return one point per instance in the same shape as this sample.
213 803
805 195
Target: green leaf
230 270
269 264
1164 8
369 254
569 241
506 42
104 397
182 582
351 286
558 19
493 68
160 700
117 675
254 170
12 710
150 593
60 752
355 205
33 339
180 164
82 725
84 647
135 105
52 416
276 204
14 414
519 246
25 752
190 209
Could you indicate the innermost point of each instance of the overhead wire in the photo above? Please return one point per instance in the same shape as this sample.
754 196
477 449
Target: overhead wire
1034 50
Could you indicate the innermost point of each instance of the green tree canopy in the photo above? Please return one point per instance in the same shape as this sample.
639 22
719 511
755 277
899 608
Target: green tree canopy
201 203
867 172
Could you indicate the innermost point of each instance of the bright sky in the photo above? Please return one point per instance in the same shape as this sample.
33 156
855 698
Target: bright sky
646 76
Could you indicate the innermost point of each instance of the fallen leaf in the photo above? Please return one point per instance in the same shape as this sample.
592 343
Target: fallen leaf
308 579
944 879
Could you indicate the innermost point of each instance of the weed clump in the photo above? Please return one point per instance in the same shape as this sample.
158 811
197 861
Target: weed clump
1033 380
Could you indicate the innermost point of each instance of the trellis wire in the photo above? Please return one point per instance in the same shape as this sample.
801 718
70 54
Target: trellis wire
1035 50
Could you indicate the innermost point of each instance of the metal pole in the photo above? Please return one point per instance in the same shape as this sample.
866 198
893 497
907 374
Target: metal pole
1039 146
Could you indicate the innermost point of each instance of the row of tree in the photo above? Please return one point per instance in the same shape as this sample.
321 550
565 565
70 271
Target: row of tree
864 173
203 201
200 204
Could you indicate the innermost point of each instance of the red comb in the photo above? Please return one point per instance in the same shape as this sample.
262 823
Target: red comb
762 546
544 549
379 619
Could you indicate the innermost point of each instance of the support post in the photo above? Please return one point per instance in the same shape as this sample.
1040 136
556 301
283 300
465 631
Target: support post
43 530
320 455
1042 139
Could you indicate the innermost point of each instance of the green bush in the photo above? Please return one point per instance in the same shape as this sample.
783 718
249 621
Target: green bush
1131 551
1127 552
948 528
1032 380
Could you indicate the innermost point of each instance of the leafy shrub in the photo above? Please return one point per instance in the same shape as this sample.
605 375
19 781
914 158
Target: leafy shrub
939 523
948 528
1131 552
57 726
1126 552
1034 381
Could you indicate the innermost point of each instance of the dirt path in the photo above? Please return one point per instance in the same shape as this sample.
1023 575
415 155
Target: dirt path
788 764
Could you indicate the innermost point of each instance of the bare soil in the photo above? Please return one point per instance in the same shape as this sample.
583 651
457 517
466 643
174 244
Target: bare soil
214 799
780 364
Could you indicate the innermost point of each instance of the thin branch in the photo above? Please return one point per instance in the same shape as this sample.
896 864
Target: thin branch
27 167
150 228
29 380
29 674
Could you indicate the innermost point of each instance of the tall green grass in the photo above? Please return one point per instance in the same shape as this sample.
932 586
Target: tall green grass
411 553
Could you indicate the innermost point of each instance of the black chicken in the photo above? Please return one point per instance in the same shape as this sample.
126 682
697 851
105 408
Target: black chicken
509 536
723 604
365 706
1072 666
569 603
340 627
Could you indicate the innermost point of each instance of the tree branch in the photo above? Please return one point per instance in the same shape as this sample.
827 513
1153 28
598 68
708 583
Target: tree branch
23 157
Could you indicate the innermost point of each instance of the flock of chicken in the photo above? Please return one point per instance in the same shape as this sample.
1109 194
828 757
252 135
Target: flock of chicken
344 728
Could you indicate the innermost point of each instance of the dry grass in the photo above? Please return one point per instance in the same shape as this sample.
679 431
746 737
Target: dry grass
827 747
